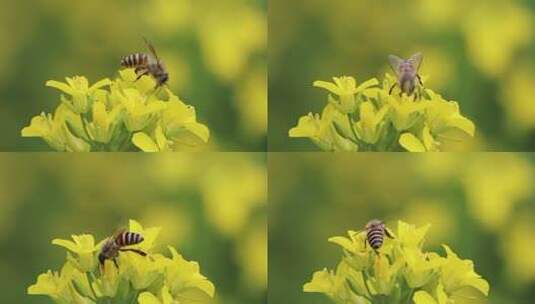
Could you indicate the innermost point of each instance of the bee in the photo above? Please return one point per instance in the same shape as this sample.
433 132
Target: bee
375 234
115 243
407 72
147 64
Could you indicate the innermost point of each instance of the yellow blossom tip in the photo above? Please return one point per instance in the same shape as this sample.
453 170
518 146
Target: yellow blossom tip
125 114
369 117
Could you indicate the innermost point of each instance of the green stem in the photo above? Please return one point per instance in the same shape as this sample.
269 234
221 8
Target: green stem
91 285
126 144
394 141
351 126
366 276
410 296
84 126
134 299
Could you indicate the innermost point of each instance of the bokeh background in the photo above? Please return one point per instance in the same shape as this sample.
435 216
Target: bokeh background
479 53
211 207
480 204
215 52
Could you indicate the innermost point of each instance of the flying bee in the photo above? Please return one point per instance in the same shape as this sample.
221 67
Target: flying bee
116 242
407 72
375 233
147 64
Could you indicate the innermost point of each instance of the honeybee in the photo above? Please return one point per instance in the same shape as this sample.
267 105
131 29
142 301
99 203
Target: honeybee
147 64
375 233
407 72
115 243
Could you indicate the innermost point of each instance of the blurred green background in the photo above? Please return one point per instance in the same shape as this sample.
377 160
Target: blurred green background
211 207
215 52
480 204
479 53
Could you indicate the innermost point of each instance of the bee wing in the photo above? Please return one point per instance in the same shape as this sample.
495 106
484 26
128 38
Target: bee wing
416 60
395 61
151 48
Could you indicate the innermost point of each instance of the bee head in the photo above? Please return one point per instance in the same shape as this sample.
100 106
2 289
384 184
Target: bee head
164 78
374 223
101 258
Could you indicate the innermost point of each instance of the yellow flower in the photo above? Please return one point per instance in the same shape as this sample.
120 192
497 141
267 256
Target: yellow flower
345 88
334 285
108 283
139 112
185 280
83 247
149 298
151 278
419 268
179 123
128 79
149 235
386 121
412 143
53 129
386 275
405 111
326 131
359 258
443 118
157 143
105 121
322 281
410 236
79 90
457 273
129 112
423 297
392 272
307 126
372 123
141 271
58 286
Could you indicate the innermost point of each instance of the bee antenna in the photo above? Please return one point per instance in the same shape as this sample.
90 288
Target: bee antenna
151 48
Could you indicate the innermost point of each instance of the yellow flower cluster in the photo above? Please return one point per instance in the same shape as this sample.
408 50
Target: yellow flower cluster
129 116
368 118
399 272
153 279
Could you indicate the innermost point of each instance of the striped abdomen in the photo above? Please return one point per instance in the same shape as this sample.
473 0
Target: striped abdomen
128 238
135 60
375 236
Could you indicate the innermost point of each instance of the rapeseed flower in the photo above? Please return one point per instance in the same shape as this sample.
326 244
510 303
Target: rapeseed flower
126 114
149 279
400 271
368 118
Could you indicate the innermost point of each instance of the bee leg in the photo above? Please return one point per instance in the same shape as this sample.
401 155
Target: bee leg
141 75
115 262
388 234
134 250
420 80
141 72
391 88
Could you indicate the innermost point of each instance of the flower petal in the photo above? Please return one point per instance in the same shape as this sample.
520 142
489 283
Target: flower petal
411 143
329 86
144 142
60 86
